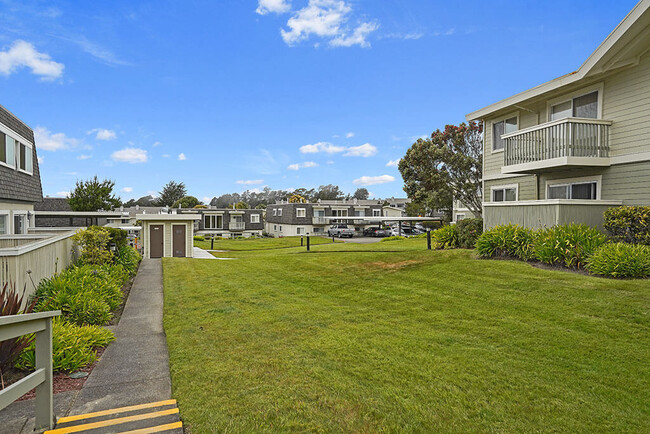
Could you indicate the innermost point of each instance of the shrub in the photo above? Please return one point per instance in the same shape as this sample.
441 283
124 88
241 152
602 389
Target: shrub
620 260
468 232
394 238
11 304
506 241
94 245
628 224
445 238
116 237
129 258
73 346
199 238
568 245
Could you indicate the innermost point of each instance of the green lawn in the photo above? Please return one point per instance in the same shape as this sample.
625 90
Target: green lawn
403 339
259 243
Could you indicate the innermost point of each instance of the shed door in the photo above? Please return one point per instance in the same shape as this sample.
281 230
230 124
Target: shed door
178 243
156 241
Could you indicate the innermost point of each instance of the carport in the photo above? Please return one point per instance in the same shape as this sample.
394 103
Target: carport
383 220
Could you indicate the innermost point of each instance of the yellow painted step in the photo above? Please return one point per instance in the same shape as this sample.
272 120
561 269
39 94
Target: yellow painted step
119 420
116 410
155 429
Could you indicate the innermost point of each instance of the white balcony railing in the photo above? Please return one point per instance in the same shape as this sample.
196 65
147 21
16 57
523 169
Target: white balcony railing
319 221
570 137
237 226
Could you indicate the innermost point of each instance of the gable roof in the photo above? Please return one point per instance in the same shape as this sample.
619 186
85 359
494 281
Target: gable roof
628 41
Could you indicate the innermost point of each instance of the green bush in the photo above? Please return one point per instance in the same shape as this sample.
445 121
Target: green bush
468 232
11 303
94 245
129 258
628 224
445 238
73 346
116 237
507 241
620 260
199 238
395 238
568 245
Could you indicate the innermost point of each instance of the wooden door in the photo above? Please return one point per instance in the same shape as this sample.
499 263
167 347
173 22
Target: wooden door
178 242
156 235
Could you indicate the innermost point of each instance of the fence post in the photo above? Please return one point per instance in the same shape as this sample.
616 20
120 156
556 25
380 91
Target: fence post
428 239
44 402
302 243
212 243
307 242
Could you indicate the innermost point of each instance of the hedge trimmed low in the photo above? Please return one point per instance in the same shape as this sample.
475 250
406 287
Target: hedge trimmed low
620 260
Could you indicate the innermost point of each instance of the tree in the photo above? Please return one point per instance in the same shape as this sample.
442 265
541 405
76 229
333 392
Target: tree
170 193
446 167
240 205
361 194
93 195
328 192
186 202
296 198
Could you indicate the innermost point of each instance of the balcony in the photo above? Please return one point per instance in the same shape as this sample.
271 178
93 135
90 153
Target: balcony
561 144
236 226
319 221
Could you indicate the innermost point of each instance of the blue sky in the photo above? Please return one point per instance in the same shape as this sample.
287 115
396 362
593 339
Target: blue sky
233 95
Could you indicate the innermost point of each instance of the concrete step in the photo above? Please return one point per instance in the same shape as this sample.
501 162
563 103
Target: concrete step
152 417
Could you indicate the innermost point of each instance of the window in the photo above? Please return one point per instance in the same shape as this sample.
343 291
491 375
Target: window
20 226
376 213
213 221
280 213
583 106
359 213
24 157
318 230
504 193
280 228
3 224
275 212
500 128
301 212
7 150
275 227
319 213
300 231
460 217
575 190
255 218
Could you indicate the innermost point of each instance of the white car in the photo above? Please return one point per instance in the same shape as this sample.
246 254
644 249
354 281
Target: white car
340 231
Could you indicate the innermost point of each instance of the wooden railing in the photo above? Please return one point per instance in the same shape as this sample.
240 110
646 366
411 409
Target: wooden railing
570 137
13 326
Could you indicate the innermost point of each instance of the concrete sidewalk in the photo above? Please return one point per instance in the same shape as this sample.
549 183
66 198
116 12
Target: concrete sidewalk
133 370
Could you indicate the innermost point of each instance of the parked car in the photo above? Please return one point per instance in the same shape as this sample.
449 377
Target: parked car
406 231
375 231
340 231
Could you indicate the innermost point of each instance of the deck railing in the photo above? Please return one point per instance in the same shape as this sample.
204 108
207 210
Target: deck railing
13 326
236 226
319 221
570 137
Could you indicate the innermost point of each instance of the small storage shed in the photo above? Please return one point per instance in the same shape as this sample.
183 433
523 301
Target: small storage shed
167 235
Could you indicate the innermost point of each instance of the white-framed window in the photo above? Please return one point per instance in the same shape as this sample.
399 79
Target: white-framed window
301 212
506 125
504 193
213 221
4 222
576 188
585 103
7 150
255 218
317 230
24 158
376 213
359 213
275 227
300 231
20 223
280 213
280 228
460 217
319 213
275 212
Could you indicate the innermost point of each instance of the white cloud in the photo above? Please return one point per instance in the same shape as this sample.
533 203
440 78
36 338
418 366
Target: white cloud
47 141
182 157
103 134
156 144
304 165
365 150
131 155
406 36
23 54
127 189
40 160
63 193
257 190
321 147
83 157
250 182
393 163
166 155
274 6
349 135
97 51
373 180
206 199
327 19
